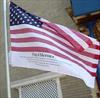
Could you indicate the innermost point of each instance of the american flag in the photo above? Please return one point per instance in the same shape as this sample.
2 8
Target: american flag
69 51
98 76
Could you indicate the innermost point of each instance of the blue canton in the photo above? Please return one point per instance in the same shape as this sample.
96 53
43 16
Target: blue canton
20 16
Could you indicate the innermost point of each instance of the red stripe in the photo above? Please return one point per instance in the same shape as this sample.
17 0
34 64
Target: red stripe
51 31
87 40
27 30
41 49
86 53
66 36
34 39
97 47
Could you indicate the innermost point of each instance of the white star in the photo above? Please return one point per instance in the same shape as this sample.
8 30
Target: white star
18 22
28 20
23 21
18 9
25 17
35 22
15 19
39 22
23 14
18 16
21 18
29 17
13 11
16 13
20 12
11 14
10 20
38 25
37 17
30 23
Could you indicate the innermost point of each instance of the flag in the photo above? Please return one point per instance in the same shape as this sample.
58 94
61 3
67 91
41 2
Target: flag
39 44
98 76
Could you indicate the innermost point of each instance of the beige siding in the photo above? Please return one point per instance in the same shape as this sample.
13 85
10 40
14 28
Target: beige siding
95 91
74 88
14 93
21 73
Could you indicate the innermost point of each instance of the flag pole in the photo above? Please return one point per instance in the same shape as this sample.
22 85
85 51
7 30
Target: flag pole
4 65
6 24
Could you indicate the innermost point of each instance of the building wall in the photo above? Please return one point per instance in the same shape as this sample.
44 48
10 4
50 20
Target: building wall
14 93
95 91
54 11
74 88
71 88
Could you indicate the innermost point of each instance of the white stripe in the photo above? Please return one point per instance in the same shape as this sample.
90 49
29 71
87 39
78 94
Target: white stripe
64 67
93 51
94 41
74 36
23 26
44 20
40 44
26 35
